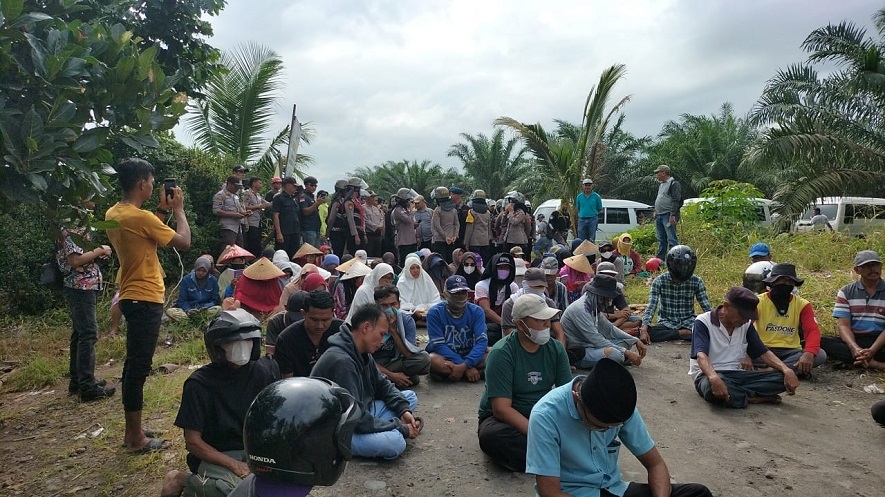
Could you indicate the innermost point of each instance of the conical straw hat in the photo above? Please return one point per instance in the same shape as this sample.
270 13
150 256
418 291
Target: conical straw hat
586 248
233 252
345 266
356 270
262 270
307 250
579 263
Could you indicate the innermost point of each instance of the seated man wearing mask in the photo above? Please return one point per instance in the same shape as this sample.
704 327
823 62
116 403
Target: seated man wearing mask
787 324
522 367
399 358
534 283
456 330
213 408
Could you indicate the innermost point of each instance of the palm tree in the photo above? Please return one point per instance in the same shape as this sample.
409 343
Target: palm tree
826 134
385 179
573 152
235 117
493 163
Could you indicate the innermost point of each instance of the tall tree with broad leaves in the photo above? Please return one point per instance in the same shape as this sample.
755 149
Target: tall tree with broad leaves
571 152
74 74
385 179
826 134
493 163
235 117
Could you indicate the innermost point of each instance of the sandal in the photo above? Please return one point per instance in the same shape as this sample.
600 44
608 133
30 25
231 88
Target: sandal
419 422
148 432
153 445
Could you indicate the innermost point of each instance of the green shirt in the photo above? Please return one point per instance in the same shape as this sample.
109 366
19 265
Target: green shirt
521 376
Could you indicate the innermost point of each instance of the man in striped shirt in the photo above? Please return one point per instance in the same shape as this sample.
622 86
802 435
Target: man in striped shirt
860 309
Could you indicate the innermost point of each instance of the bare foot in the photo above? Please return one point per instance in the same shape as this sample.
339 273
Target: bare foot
765 399
174 483
874 364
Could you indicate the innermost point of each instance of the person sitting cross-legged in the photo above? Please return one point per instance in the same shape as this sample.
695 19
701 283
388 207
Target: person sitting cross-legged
672 298
213 408
720 341
787 324
521 368
387 420
456 332
399 358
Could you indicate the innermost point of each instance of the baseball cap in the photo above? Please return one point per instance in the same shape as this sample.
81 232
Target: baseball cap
517 250
240 169
456 283
535 277
866 257
758 249
663 168
744 300
276 179
587 181
550 265
532 306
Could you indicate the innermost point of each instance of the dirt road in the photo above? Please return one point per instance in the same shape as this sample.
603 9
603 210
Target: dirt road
820 442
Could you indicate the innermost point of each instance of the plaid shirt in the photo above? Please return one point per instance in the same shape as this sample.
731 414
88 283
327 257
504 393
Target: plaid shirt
675 301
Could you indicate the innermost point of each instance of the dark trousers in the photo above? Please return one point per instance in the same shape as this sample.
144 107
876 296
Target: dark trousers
373 248
291 244
445 250
741 386
503 443
229 237
661 333
676 490
838 350
878 412
352 245
417 364
404 250
84 334
253 240
338 241
493 332
143 320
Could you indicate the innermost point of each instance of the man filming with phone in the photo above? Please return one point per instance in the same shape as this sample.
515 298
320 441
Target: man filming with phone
142 291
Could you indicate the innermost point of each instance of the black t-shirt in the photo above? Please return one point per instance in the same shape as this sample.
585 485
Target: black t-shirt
387 352
215 399
286 206
310 222
277 324
295 353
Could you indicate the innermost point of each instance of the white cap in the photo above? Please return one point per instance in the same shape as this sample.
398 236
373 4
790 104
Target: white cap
533 306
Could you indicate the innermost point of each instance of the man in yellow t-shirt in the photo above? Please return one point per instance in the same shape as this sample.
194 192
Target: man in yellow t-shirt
787 324
142 291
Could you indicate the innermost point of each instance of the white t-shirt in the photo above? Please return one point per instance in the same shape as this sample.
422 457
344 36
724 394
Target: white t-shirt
482 292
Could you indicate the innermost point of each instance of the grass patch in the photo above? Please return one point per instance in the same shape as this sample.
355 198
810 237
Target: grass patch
37 373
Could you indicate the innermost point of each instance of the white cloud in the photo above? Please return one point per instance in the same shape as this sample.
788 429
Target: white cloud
385 80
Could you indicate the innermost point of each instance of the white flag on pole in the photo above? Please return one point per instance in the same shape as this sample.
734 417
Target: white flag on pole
294 140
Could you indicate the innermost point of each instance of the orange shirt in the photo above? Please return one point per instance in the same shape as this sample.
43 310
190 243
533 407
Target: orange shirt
135 242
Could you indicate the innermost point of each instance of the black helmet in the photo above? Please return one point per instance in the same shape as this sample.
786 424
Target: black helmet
681 261
299 430
231 326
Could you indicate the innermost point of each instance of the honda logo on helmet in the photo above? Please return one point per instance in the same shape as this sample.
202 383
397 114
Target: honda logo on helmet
266 460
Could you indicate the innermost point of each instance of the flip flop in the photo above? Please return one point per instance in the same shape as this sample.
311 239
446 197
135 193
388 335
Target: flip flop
419 422
148 432
153 445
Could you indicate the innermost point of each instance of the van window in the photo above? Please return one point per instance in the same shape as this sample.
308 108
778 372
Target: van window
829 210
644 215
617 215
863 211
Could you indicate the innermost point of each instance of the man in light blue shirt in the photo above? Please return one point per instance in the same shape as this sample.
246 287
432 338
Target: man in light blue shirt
575 434
589 205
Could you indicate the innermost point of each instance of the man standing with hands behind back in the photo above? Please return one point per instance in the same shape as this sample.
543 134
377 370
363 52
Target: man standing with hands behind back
142 291
667 205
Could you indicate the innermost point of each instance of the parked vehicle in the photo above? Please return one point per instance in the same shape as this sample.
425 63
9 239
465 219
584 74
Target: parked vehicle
764 209
855 216
617 215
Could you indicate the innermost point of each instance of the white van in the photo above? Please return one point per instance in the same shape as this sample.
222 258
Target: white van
765 214
855 216
617 215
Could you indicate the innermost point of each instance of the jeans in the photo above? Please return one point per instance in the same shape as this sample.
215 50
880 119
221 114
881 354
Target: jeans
143 320
311 237
386 444
666 234
587 228
592 356
503 443
84 334
741 386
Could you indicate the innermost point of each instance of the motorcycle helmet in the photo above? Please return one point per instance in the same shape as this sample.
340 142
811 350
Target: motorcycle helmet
299 431
755 274
681 261
356 183
231 326
441 192
479 194
341 184
406 194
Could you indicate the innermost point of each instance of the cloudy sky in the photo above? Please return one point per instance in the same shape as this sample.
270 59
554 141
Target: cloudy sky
393 80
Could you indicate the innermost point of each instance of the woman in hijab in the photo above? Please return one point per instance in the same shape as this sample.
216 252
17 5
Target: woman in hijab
493 290
313 282
438 269
471 269
416 288
295 284
365 294
348 283
197 291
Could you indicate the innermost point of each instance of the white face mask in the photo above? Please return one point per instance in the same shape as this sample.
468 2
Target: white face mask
238 352
605 255
469 269
539 337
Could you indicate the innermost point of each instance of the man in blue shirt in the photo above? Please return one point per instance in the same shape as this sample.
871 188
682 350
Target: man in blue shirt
456 330
575 434
589 205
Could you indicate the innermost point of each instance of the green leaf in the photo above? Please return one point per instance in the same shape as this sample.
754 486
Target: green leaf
74 67
32 144
90 140
61 113
32 125
38 181
144 61
124 68
31 17
12 8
